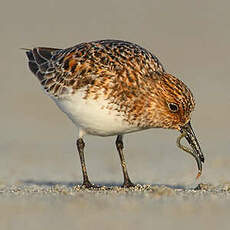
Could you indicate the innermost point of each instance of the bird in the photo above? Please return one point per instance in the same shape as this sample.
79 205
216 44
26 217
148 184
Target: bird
112 88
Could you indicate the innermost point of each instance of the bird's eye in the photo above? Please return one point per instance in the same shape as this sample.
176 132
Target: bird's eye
173 107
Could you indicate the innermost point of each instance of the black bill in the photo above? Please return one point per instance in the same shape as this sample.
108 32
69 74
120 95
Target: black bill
196 152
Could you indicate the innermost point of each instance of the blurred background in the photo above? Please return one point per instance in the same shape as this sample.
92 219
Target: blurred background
191 39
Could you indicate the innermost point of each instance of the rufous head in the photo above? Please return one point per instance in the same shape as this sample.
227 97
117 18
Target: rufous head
175 102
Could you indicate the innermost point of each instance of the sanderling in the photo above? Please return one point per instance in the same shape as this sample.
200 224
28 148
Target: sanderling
112 87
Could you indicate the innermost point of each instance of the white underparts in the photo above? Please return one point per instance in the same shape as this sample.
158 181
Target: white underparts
92 115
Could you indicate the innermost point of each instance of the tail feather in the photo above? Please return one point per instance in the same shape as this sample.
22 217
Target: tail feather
40 60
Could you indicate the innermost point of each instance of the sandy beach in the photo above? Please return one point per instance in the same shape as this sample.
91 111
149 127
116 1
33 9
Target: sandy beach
40 169
71 207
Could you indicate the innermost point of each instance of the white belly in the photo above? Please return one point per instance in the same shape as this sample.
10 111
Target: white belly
93 116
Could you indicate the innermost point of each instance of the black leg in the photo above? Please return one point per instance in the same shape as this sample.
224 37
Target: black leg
120 147
80 148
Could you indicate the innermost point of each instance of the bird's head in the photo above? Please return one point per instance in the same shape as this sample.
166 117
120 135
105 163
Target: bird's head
175 104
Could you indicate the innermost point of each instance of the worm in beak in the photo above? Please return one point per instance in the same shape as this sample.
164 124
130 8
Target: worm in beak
195 151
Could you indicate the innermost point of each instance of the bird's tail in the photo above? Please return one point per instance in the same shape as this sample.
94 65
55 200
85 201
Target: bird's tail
40 61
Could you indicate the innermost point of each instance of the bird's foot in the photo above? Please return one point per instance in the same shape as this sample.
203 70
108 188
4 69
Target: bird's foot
128 184
88 184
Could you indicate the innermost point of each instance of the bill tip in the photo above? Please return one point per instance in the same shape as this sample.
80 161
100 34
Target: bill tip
198 175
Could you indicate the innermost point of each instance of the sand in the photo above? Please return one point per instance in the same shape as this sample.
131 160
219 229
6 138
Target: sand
40 170
72 207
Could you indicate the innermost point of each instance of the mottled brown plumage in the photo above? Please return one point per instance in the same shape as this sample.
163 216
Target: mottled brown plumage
118 79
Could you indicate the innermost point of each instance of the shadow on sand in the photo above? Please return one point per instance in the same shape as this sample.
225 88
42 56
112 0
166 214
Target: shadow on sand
99 184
